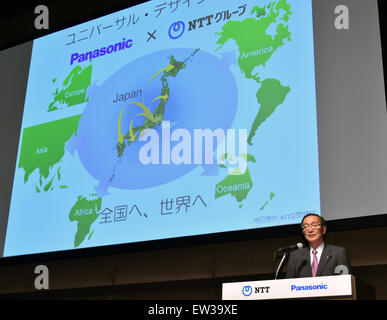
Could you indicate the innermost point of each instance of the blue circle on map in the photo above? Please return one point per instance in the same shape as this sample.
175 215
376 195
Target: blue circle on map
202 95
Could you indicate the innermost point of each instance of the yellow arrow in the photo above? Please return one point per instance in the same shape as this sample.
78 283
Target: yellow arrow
120 135
165 97
167 68
146 113
131 135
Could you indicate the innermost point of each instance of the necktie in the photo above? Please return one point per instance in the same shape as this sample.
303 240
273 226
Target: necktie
314 263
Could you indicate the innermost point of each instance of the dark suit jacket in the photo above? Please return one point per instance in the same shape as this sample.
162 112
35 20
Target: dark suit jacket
299 264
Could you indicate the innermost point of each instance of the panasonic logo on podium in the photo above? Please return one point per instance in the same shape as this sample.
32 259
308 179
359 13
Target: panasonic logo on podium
321 286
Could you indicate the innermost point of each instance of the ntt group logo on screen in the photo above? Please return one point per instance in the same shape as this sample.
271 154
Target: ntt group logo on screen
124 44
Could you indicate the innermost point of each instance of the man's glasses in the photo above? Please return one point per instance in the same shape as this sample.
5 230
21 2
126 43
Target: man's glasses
307 226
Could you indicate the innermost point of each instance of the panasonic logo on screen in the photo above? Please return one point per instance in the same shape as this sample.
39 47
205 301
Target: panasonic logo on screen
309 287
79 57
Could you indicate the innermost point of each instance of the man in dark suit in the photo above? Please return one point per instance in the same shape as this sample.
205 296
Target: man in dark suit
320 258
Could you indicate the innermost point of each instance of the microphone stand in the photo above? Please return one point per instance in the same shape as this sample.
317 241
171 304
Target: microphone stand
280 264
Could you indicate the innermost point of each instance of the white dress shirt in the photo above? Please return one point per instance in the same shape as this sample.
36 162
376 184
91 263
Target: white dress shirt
319 249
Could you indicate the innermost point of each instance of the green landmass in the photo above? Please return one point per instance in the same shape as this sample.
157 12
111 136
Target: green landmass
226 156
158 114
84 212
43 146
270 95
236 185
272 195
74 88
255 48
259 11
264 205
90 235
49 184
255 45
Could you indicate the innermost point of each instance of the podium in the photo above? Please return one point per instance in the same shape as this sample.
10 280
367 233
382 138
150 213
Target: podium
331 287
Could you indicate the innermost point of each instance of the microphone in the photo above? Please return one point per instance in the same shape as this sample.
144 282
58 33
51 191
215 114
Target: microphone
291 248
285 250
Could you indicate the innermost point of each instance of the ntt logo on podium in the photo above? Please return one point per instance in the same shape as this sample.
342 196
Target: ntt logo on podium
247 291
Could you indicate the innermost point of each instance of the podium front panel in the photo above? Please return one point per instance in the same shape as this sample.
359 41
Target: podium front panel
313 287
